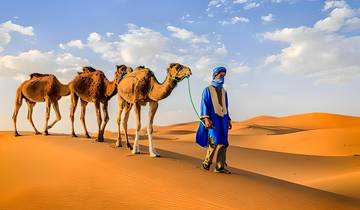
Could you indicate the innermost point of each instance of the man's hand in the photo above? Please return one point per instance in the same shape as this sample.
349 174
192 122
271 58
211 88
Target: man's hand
208 123
229 125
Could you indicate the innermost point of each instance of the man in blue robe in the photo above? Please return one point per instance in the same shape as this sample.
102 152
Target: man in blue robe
215 115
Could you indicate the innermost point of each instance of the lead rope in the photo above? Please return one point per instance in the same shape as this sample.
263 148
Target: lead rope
192 103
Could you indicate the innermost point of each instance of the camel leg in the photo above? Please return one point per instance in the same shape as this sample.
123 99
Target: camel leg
106 118
29 116
152 110
18 102
136 149
99 120
124 124
47 116
82 117
55 105
73 103
118 121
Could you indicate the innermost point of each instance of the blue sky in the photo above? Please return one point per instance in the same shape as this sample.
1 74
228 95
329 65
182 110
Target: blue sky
284 56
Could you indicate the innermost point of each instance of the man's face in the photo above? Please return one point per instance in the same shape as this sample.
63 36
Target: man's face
219 75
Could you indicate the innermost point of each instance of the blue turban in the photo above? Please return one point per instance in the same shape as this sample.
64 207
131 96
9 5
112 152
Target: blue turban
218 69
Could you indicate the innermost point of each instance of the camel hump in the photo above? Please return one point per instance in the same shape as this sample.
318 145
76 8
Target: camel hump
36 75
88 69
145 70
140 67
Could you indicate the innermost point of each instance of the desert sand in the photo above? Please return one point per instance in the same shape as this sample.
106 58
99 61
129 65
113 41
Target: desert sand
307 161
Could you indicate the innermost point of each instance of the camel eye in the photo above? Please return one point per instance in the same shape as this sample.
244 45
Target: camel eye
179 68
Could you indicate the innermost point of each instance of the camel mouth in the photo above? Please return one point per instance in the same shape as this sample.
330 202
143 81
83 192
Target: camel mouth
183 77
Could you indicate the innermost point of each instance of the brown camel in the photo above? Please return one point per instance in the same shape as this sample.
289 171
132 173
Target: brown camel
91 85
140 87
40 88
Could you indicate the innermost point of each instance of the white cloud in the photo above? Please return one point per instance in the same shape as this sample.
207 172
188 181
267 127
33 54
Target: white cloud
339 18
106 49
237 67
221 50
73 43
237 19
7 27
329 4
144 46
267 18
184 34
234 20
204 63
251 5
240 1
109 34
322 51
19 66
180 33
137 46
214 3
187 18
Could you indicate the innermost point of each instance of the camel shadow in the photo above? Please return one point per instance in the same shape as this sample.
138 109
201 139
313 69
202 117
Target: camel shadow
276 130
179 132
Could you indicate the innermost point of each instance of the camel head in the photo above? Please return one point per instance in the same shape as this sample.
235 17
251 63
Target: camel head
121 71
178 72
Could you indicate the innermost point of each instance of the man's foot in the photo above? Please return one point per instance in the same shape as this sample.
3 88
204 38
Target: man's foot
205 166
222 171
100 139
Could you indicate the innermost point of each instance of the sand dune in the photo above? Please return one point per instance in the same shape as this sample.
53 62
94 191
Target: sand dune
271 169
312 121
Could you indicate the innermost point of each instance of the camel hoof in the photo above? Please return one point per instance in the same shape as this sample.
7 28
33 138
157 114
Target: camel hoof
118 143
129 146
135 152
46 133
74 135
154 155
88 136
17 134
37 133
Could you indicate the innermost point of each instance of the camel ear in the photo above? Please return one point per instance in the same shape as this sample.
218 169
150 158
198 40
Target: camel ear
172 65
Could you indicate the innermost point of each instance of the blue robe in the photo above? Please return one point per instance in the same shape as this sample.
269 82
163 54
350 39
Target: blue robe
220 131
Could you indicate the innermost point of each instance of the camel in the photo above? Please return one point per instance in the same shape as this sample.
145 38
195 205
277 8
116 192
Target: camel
40 88
141 87
91 85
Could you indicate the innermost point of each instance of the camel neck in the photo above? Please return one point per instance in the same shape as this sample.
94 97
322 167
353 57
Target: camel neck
110 88
160 91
